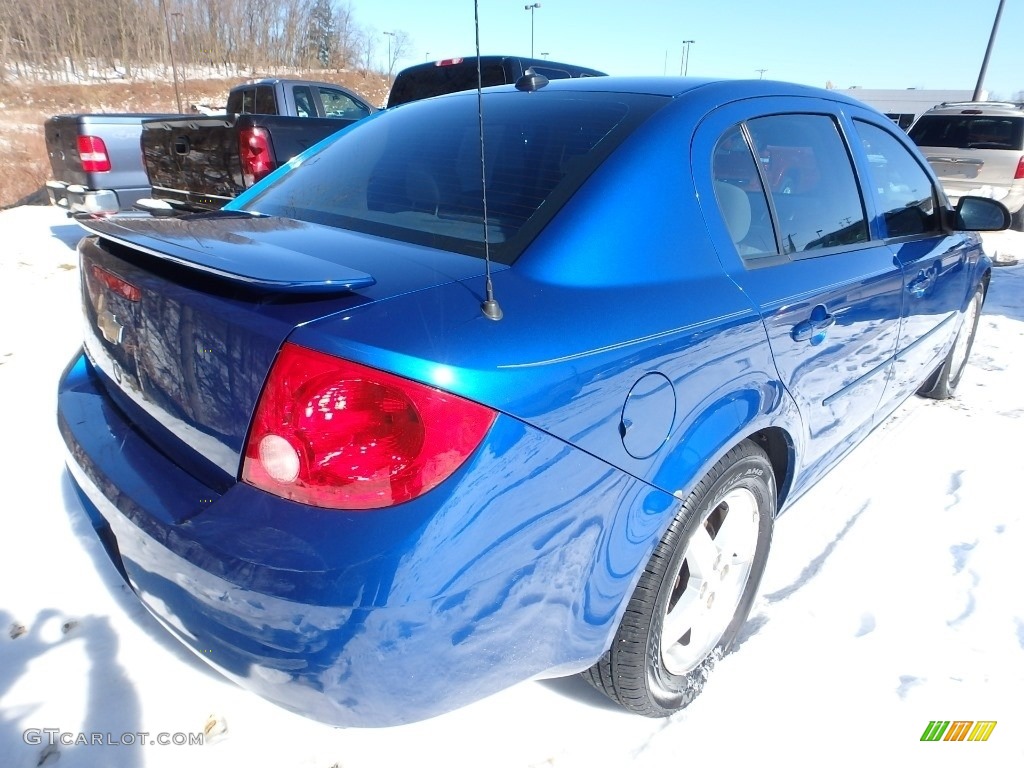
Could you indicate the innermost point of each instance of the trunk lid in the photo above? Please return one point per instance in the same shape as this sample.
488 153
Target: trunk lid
184 317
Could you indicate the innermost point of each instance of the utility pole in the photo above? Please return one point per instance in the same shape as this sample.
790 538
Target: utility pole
988 52
761 72
531 8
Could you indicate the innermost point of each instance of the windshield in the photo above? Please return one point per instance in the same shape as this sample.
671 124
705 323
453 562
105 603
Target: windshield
413 173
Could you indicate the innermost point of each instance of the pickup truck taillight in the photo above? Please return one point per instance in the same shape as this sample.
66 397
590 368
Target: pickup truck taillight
255 153
94 155
333 433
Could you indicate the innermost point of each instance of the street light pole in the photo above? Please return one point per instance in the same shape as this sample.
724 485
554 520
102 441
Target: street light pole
988 52
684 61
531 8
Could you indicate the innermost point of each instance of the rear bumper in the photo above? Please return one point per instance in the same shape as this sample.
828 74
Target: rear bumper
79 199
503 573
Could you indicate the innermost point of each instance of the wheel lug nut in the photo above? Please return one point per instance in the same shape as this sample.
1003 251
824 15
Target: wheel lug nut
711 599
703 589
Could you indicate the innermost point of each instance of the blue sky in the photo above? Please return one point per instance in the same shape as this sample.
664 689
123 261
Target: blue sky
871 43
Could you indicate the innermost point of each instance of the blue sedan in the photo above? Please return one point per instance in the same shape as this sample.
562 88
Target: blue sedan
416 419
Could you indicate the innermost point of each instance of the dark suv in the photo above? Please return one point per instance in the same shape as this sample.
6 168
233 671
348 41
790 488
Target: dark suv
450 75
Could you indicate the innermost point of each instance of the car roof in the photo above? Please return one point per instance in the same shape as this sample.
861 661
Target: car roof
492 58
978 108
672 86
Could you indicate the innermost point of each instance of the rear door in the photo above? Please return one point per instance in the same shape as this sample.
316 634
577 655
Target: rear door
779 191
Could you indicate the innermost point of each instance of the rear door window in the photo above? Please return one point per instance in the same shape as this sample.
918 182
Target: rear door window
807 167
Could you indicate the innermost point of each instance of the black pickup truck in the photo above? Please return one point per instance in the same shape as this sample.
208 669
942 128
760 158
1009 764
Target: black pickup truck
198 163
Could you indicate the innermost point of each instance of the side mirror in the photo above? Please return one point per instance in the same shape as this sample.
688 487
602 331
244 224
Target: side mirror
981 214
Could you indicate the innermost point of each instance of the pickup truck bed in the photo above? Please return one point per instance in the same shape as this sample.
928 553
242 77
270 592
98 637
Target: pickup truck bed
197 162
112 177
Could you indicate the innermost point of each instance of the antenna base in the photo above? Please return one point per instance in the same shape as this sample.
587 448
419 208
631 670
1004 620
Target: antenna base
492 310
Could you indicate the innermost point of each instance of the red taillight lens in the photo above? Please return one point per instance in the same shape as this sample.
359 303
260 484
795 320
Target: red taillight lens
333 433
94 155
255 153
1019 174
117 284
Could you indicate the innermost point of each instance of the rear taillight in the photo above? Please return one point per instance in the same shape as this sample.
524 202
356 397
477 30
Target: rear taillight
93 153
255 153
1019 173
333 433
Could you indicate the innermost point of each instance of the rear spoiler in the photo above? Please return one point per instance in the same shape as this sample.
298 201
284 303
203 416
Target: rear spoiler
236 246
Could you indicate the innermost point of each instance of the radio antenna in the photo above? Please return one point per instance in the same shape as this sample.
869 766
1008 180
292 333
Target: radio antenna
490 306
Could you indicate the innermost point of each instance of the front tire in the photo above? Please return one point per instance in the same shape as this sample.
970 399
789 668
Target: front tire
696 591
942 384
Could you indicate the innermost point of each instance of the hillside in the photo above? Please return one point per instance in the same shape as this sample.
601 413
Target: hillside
24 106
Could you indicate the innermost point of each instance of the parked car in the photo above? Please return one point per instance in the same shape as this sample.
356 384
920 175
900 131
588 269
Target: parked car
199 163
95 161
437 78
375 449
977 148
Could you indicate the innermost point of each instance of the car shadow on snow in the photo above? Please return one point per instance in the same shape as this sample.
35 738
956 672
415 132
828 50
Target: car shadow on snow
1006 292
111 706
579 690
69 234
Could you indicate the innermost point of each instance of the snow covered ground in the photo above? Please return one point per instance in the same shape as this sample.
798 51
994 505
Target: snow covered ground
892 598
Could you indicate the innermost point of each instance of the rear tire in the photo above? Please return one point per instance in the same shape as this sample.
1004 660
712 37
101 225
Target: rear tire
697 589
942 384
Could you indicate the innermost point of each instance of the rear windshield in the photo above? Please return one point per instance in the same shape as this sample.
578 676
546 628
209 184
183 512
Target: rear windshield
422 83
969 132
413 174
